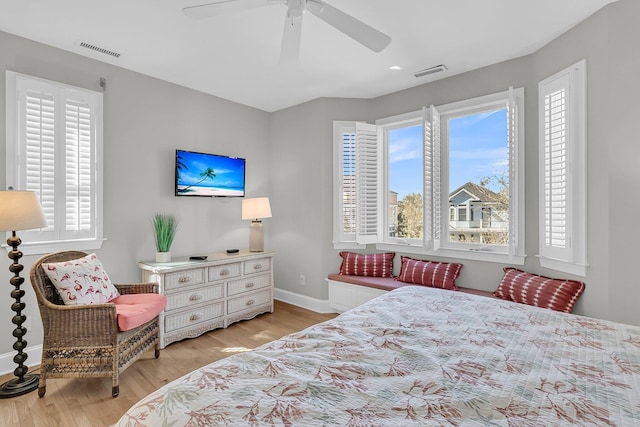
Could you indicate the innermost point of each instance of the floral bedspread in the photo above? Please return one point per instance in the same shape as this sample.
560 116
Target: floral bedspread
418 356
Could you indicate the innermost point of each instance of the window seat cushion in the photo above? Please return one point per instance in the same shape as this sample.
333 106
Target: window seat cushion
390 283
137 309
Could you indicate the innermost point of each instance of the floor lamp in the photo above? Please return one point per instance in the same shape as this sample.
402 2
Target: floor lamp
254 209
19 210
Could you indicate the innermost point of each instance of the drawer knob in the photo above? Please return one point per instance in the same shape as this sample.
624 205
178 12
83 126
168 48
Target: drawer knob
195 297
195 316
250 302
257 266
184 279
249 285
224 272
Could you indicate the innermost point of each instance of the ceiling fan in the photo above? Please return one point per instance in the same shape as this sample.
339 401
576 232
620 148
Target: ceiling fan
354 28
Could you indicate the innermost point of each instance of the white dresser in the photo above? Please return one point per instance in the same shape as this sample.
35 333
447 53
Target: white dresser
204 295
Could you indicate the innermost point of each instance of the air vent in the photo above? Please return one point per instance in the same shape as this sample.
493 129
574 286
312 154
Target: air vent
100 49
432 70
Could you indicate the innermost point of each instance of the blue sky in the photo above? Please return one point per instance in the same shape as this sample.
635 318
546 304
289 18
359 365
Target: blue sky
478 148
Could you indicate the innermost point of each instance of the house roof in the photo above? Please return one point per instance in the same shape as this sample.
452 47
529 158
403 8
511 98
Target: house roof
478 193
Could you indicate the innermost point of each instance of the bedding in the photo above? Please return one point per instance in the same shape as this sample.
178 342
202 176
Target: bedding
418 356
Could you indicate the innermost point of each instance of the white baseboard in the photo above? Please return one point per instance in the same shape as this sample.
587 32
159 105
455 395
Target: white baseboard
313 304
34 356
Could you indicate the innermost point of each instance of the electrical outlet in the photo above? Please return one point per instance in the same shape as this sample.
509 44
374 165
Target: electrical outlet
303 280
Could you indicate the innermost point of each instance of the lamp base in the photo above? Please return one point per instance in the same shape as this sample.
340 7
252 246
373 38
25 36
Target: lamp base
15 387
256 236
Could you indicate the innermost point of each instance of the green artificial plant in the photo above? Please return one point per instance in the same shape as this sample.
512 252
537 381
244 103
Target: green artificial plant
165 226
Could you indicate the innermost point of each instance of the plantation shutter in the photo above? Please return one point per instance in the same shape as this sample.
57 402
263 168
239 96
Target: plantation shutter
79 182
432 186
367 183
56 133
555 191
512 132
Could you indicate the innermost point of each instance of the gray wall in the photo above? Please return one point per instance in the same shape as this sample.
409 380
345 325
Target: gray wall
608 40
145 121
289 158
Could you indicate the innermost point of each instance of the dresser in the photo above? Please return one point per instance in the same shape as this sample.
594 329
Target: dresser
210 294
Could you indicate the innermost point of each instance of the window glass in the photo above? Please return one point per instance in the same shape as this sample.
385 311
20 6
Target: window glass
479 177
405 207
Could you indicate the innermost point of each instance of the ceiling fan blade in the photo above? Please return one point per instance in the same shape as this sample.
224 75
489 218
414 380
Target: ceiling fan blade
354 28
291 36
224 6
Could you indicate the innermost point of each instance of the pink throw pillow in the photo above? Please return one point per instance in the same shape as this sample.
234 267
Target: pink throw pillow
441 275
81 281
372 265
539 291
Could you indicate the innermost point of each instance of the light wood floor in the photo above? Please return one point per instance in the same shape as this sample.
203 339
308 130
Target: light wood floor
88 402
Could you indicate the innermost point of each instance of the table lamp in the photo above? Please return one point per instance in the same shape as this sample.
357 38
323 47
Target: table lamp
254 209
19 210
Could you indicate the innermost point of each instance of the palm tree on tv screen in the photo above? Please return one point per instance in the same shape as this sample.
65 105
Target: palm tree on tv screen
208 173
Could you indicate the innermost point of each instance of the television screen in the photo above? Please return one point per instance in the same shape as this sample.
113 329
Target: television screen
209 175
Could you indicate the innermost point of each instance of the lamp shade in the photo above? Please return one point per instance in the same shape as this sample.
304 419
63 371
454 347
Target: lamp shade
20 210
256 208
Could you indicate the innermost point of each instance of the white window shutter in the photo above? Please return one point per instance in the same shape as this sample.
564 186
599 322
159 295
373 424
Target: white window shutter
555 230
512 132
432 185
562 170
367 183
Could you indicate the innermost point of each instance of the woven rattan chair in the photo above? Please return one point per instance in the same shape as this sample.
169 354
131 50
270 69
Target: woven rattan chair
83 341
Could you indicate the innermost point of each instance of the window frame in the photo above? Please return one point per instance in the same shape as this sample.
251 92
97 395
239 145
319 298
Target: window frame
56 237
573 258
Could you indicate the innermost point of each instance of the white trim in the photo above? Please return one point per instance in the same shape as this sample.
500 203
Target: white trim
34 356
310 303
40 248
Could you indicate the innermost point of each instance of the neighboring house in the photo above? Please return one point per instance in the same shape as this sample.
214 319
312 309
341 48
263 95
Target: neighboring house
393 213
477 215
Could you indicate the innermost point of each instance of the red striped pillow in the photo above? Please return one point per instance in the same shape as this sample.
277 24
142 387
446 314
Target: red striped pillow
372 265
429 273
539 291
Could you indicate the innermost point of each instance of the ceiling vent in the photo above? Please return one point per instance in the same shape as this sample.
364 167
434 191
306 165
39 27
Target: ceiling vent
432 70
100 49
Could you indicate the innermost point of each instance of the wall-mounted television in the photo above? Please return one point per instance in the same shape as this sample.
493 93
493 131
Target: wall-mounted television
209 175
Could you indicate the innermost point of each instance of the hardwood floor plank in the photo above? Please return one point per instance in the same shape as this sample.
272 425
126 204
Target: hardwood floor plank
88 402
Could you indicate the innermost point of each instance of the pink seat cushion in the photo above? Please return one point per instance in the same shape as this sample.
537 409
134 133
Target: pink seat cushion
136 309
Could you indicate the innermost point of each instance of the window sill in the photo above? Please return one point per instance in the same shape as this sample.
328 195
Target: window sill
41 248
348 245
487 256
563 266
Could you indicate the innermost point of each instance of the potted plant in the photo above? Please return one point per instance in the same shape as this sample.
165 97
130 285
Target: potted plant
164 226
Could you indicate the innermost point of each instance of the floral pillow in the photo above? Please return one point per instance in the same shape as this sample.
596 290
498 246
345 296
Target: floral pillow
539 291
81 281
372 265
441 275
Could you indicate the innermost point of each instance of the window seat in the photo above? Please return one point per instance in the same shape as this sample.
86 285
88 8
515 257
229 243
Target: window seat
347 292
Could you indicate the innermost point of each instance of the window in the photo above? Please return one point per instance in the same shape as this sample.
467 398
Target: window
454 170
54 147
561 109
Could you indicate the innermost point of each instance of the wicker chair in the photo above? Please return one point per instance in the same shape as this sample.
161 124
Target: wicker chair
83 341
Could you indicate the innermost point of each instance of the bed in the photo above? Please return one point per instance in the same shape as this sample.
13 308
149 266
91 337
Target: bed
418 356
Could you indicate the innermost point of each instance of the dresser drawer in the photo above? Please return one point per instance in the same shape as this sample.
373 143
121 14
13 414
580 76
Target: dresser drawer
194 316
248 284
248 301
181 279
223 272
257 265
194 296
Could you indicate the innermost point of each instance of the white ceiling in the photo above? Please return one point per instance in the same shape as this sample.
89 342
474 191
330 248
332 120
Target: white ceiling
236 56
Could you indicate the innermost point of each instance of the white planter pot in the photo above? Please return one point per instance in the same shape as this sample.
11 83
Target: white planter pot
163 256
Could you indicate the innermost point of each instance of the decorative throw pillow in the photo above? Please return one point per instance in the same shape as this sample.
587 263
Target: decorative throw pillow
540 291
81 281
372 265
429 273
